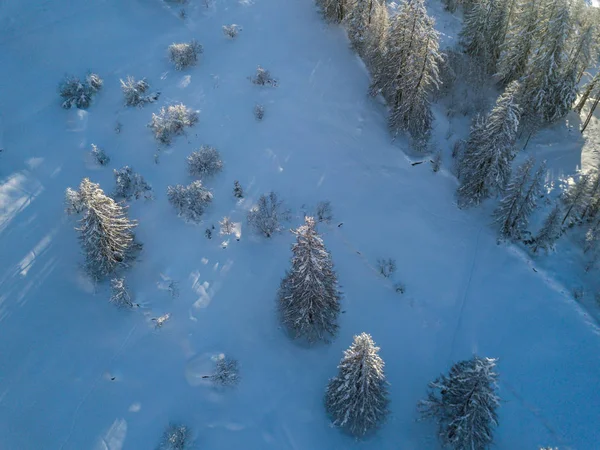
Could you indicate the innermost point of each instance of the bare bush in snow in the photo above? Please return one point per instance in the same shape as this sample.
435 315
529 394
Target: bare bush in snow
99 155
324 211
171 121
231 30
190 201
176 437
135 92
79 93
259 112
120 295
386 266
131 184
263 78
226 373
205 162
185 54
266 216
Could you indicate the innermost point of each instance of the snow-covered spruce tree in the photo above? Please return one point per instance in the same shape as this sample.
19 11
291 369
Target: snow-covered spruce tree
227 372
185 54
358 22
592 236
79 93
520 41
131 184
464 403
263 78
485 166
106 234
309 300
357 398
206 161
135 92
591 89
267 215
120 295
176 437
171 121
190 201
375 39
550 231
99 155
575 199
238 192
335 10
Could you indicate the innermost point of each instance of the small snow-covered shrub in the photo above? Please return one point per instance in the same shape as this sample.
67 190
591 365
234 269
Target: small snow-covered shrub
135 92
226 226
118 126
238 192
190 201
400 288
578 293
386 267
185 54
79 93
74 203
176 437
226 372
266 216
259 112
231 30
264 78
171 121
131 184
120 295
205 161
436 162
99 155
324 211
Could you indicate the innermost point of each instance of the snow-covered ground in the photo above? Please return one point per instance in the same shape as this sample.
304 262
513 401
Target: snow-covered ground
77 373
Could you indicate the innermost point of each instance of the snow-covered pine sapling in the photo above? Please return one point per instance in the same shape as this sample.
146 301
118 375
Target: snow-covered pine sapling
238 192
172 121
267 215
436 161
205 161
259 112
227 372
231 31
99 155
131 184
79 93
190 201
464 404
185 54
135 92
550 231
120 295
574 200
308 298
335 10
357 398
105 231
324 211
226 226
386 266
176 437
264 78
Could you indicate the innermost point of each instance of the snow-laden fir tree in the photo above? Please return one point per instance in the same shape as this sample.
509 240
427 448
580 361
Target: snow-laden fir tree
176 437
464 404
357 398
335 10
227 372
520 41
550 231
99 155
485 166
135 92
185 54
106 234
130 184
375 39
171 121
238 192
358 22
309 300
592 236
575 200
190 201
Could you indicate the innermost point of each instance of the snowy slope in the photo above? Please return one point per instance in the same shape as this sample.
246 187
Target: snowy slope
61 342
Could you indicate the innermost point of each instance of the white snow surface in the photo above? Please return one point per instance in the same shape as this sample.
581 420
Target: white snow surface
78 373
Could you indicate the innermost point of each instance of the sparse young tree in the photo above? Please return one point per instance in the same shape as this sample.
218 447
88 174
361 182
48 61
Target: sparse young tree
376 35
74 203
591 88
335 10
227 372
129 184
267 215
176 437
464 403
99 155
357 398
79 93
485 166
135 92
185 54
106 234
206 161
120 295
190 201
575 199
358 22
263 78
309 300
171 121
550 231
238 192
